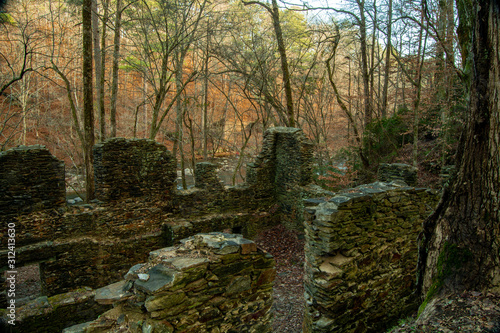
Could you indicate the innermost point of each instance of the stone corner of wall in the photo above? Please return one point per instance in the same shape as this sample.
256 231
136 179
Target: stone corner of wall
361 252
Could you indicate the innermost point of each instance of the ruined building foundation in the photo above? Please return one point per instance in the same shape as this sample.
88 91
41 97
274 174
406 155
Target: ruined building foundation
360 244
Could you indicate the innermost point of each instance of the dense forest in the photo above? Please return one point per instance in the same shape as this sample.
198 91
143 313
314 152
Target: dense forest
369 81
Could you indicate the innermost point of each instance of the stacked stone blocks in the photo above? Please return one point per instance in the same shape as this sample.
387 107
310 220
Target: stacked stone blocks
283 168
397 172
127 168
215 282
31 179
361 256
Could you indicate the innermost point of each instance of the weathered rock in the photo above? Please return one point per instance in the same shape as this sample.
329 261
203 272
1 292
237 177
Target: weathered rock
53 314
115 292
397 172
206 177
283 167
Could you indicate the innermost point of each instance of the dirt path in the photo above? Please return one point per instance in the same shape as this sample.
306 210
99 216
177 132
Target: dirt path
287 247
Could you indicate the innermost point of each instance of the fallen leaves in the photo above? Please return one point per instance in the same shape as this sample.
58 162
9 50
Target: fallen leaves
287 247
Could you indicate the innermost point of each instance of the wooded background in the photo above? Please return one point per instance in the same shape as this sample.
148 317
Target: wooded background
368 81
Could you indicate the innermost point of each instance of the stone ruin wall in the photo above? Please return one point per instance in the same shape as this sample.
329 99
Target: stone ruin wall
130 168
361 257
284 168
397 172
30 179
93 245
214 282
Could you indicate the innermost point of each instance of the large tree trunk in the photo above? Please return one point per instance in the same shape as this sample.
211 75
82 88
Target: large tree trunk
88 103
460 248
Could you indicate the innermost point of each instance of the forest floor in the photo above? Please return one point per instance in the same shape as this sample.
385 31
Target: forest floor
287 247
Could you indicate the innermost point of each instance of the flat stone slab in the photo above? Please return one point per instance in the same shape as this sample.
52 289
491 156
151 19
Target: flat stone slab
221 243
114 292
185 263
160 278
80 328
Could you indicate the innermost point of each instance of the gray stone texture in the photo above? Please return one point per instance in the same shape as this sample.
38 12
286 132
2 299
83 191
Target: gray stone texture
282 168
397 172
206 177
53 314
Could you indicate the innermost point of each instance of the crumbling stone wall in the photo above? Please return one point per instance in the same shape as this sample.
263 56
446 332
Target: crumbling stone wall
397 172
282 168
133 168
53 314
30 179
206 177
93 245
361 257
214 282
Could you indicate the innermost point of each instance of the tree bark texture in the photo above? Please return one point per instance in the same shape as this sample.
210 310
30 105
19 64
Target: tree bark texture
284 64
364 62
88 103
97 64
460 244
116 58
387 62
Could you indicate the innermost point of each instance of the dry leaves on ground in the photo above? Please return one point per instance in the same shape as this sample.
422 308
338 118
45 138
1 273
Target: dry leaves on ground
287 247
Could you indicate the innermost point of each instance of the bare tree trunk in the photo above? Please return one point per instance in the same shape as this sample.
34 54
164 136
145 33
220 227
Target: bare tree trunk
88 103
330 66
387 61
364 61
371 71
418 86
180 116
205 102
284 64
459 247
100 84
116 57
97 63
